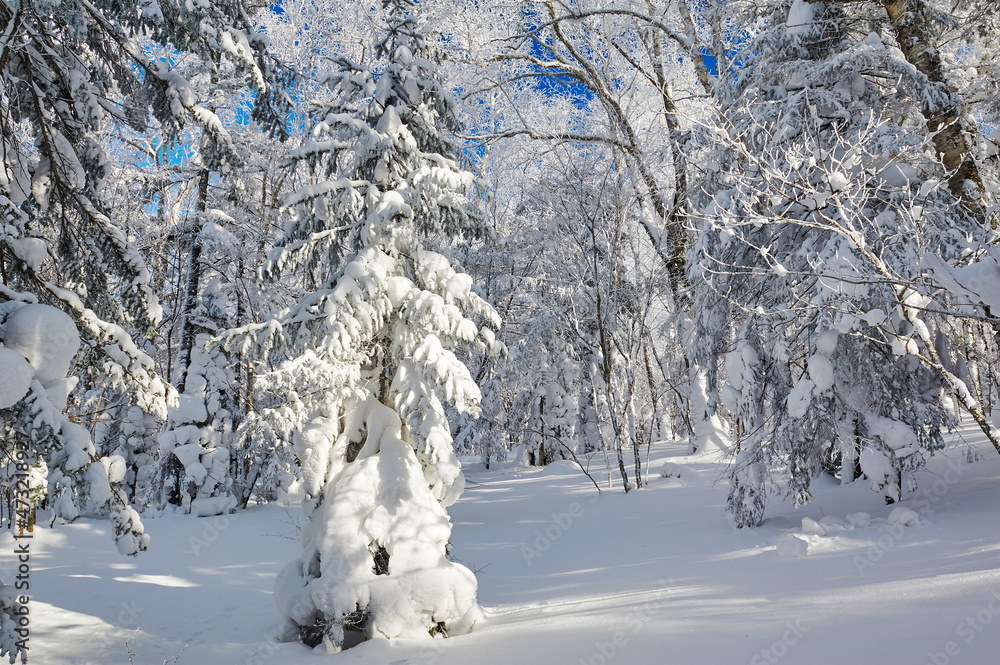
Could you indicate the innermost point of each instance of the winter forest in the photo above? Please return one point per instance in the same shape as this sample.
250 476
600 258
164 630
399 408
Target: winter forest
499 331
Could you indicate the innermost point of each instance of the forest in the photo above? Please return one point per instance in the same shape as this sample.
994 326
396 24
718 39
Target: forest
364 262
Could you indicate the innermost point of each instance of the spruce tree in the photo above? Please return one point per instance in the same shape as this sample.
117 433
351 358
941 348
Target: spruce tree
370 352
73 285
810 248
73 72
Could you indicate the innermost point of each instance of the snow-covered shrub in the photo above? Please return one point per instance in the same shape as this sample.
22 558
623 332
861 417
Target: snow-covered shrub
194 468
546 410
13 616
39 345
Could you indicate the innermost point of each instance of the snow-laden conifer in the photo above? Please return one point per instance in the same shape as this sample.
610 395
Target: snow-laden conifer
811 246
39 345
71 72
370 353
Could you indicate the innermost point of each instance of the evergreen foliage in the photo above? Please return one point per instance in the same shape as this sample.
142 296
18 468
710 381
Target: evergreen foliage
370 351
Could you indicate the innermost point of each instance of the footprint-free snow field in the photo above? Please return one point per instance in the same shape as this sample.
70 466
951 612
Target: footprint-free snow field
568 575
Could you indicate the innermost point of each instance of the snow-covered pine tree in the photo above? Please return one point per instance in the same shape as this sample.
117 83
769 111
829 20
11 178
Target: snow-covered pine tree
39 344
545 408
130 433
194 471
70 72
225 198
819 218
60 241
370 352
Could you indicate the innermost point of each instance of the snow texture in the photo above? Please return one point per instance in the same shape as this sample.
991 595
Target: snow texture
877 466
979 282
30 250
860 520
897 436
903 516
202 582
792 546
46 337
800 397
821 372
15 377
213 505
800 17
809 525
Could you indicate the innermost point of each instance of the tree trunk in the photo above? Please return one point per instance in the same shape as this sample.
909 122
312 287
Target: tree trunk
190 329
676 217
916 40
635 436
541 448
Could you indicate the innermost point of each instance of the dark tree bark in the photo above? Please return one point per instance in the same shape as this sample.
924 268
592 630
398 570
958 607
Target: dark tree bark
916 40
190 328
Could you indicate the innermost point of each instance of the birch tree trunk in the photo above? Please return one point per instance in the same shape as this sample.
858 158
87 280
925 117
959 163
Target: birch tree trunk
916 39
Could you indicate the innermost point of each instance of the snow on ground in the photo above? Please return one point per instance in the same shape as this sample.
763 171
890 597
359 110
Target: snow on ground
570 576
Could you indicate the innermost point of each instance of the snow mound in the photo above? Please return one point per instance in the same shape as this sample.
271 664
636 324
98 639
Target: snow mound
897 435
212 505
389 123
562 466
832 524
821 372
903 517
792 546
838 181
800 18
860 520
800 397
809 525
899 175
30 250
671 470
46 337
876 466
826 344
292 597
15 377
